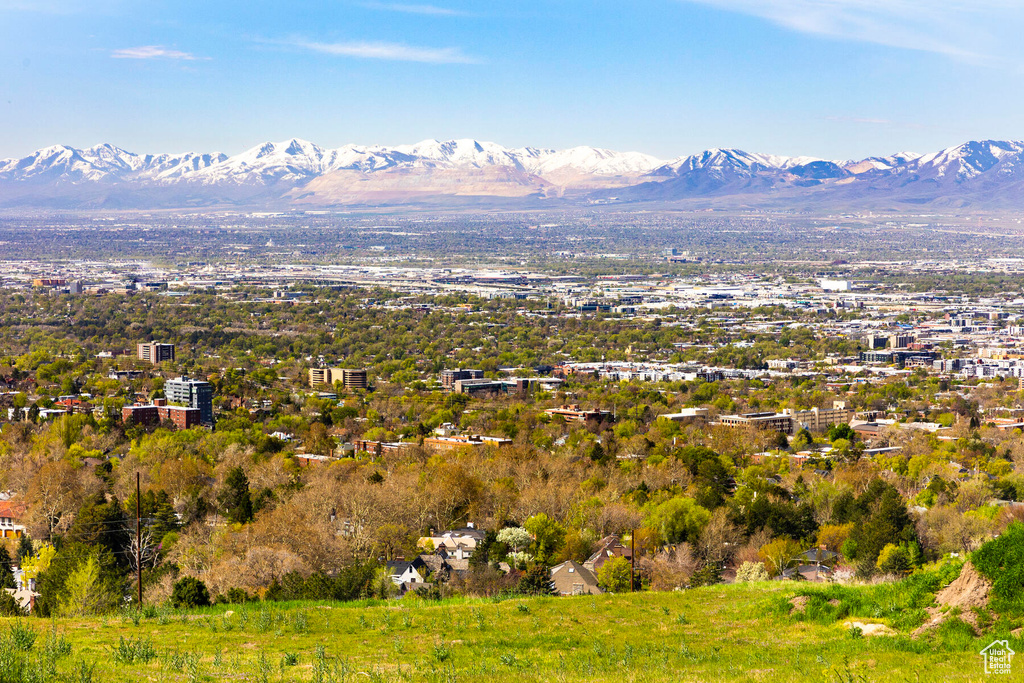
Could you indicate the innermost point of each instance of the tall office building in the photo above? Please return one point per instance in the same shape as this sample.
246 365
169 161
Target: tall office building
155 353
352 379
194 393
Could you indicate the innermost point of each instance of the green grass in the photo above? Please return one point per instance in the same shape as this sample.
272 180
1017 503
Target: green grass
720 633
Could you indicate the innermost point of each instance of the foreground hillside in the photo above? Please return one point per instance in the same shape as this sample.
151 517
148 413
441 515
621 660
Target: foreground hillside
743 632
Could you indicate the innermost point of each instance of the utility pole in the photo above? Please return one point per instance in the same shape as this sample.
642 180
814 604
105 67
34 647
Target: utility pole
632 560
138 531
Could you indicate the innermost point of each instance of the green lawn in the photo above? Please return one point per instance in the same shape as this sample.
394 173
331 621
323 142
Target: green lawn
726 633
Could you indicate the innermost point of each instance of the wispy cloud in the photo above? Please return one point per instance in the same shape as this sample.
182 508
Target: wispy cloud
431 10
954 28
397 52
152 52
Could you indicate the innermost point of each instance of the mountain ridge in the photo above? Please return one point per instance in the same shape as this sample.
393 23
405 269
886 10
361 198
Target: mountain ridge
980 173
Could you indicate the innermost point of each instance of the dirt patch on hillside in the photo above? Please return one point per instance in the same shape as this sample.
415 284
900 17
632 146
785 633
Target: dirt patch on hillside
870 630
799 603
968 592
970 589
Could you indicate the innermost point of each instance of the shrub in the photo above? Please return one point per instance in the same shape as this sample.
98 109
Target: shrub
9 607
190 592
752 571
1002 562
536 581
614 575
708 575
894 559
779 555
132 651
22 637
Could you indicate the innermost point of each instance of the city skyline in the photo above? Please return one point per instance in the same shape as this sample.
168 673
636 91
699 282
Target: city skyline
841 79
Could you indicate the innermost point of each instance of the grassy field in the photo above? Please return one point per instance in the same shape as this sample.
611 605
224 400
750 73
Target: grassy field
723 633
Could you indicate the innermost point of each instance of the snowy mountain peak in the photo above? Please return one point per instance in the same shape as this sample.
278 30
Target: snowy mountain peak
299 170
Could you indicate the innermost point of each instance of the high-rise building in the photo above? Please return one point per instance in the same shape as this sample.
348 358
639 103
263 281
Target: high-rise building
193 393
154 352
351 379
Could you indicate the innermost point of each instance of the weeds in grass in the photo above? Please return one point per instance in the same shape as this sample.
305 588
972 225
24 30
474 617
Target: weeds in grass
131 614
446 674
323 672
290 659
442 653
173 660
300 621
192 673
21 637
263 668
523 607
133 651
56 645
846 674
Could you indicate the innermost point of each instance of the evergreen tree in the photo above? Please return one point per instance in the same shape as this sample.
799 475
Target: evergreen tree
6 573
24 549
102 524
536 581
235 499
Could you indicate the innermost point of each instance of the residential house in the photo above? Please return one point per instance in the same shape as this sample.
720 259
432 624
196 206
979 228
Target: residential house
457 544
572 578
10 519
406 574
25 598
607 548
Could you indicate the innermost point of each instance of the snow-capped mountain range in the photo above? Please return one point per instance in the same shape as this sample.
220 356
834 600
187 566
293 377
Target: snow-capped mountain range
297 172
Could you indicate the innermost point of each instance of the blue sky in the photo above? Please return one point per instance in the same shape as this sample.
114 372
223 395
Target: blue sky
831 78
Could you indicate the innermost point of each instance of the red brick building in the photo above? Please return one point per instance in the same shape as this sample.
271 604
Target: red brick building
140 415
183 417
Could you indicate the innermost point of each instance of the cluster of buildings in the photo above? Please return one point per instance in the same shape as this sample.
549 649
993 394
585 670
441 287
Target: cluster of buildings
447 554
188 403
792 421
